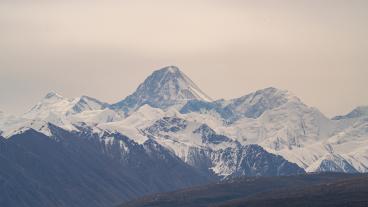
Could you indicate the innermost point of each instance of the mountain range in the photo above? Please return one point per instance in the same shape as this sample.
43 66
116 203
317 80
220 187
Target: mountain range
168 135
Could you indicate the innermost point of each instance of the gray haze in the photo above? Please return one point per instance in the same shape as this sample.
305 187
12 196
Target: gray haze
104 49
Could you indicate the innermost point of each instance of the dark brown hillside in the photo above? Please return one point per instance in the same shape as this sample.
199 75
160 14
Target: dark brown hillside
347 192
263 191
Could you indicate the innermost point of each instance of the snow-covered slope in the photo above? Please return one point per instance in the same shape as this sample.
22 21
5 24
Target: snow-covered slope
60 111
171 110
132 125
55 105
360 111
163 88
85 169
252 105
282 124
180 134
303 135
331 162
255 104
203 148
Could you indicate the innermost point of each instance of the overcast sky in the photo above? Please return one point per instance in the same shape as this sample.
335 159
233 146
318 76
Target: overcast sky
104 49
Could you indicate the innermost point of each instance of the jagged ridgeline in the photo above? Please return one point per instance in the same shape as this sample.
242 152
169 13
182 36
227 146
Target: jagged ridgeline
167 135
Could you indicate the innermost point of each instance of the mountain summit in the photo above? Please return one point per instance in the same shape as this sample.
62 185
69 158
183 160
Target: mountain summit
360 111
163 88
55 104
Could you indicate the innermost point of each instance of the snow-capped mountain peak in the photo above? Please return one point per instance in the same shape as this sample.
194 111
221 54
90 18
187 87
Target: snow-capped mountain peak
54 106
359 111
252 105
52 95
163 88
171 110
84 103
171 69
264 99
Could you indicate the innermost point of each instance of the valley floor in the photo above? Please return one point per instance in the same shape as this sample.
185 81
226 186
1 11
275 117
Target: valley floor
324 190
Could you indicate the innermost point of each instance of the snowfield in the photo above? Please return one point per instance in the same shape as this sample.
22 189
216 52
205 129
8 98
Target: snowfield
171 110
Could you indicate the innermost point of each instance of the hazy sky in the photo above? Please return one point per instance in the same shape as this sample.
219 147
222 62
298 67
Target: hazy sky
318 49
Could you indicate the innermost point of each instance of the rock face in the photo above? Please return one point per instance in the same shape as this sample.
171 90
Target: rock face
278 121
204 149
167 135
83 169
163 88
210 136
252 160
333 163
